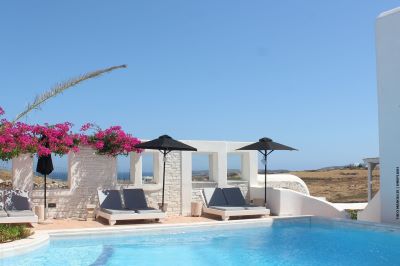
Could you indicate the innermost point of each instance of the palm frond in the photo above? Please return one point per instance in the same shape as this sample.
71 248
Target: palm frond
61 87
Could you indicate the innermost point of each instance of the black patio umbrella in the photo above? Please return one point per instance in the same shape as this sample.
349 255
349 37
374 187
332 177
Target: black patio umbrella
265 146
45 167
165 144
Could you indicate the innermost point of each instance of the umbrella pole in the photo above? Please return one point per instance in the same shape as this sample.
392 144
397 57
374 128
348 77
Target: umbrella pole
45 201
265 179
163 186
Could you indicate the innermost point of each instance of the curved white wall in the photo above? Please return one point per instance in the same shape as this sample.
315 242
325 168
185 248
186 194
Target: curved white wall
371 213
283 181
286 202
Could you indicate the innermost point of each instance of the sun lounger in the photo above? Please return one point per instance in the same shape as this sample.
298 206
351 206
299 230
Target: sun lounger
234 197
15 207
217 204
135 199
112 209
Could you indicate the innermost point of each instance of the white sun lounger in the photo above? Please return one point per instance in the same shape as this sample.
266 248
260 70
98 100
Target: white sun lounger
216 203
15 207
111 209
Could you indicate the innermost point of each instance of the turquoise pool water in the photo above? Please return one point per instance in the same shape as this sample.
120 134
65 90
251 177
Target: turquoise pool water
295 243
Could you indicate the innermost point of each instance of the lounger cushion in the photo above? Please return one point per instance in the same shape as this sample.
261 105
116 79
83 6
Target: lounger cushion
110 199
110 211
22 213
250 207
214 197
149 210
16 200
234 196
3 213
135 199
227 208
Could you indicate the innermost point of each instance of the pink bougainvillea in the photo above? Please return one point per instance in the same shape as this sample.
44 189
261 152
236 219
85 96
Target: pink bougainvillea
19 138
112 141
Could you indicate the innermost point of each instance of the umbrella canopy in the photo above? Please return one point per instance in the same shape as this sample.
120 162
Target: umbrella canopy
165 144
263 146
266 144
44 165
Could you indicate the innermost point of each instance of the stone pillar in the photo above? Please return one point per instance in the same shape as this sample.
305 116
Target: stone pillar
186 183
22 172
213 167
136 169
222 169
371 167
173 178
250 167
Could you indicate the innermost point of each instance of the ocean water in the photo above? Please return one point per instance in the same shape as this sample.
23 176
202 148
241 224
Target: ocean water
286 244
63 176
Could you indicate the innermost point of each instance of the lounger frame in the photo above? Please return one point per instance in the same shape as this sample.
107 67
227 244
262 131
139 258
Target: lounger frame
19 220
113 218
125 214
23 219
225 215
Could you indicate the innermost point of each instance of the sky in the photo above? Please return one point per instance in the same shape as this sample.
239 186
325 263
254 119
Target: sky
299 72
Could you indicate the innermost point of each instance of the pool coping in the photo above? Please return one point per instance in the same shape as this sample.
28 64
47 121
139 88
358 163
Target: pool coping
26 245
42 237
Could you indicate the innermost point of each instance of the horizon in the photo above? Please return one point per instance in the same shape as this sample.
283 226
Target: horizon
302 74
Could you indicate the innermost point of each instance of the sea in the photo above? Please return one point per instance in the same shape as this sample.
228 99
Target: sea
63 175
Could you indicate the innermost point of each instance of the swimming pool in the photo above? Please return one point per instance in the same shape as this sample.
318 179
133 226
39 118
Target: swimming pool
298 242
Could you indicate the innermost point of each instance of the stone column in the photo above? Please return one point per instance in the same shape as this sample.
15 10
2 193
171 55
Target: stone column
186 182
22 172
136 169
371 167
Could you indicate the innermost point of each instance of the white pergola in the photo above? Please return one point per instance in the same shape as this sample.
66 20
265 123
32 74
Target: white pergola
371 164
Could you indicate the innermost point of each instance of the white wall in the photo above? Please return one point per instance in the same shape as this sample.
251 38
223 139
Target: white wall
388 77
89 171
371 213
285 202
22 172
283 181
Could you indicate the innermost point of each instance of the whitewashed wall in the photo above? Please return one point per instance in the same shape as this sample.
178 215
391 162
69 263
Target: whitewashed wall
285 202
388 69
89 172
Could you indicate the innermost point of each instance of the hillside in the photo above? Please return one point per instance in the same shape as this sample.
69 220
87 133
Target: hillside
339 185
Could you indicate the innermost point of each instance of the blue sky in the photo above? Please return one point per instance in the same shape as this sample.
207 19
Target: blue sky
299 72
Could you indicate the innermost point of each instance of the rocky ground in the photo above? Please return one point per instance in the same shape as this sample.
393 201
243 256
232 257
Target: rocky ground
38 181
339 185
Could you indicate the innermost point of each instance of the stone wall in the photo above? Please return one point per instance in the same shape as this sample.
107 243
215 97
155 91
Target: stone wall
173 186
87 173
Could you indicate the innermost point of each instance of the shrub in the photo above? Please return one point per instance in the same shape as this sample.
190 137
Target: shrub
352 214
11 232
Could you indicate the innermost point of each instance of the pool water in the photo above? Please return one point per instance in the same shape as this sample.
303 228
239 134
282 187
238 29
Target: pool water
300 243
